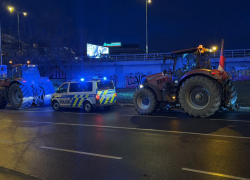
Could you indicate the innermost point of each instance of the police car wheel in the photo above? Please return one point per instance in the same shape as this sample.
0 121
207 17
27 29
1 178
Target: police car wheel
56 105
87 106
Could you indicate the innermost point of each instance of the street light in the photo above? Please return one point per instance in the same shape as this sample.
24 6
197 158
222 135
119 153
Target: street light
147 1
11 9
214 48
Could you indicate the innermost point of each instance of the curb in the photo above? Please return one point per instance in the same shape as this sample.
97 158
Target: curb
243 109
132 105
125 105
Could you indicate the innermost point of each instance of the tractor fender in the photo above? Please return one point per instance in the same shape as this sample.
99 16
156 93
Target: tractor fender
206 72
16 81
19 81
155 89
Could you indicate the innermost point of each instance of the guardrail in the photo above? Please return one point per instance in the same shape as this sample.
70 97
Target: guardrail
127 57
159 56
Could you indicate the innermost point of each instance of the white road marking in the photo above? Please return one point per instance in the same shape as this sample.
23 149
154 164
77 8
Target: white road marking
81 113
3 141
36 111
80 152
14 111
140 129
150 116
230 120
214 174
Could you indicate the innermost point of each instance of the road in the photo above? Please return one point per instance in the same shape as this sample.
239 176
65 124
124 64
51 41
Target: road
39 143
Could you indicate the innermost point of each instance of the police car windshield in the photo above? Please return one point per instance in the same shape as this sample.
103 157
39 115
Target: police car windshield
105 85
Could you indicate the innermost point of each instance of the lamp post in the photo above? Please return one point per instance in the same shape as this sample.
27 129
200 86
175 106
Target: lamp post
147 1
1 43
11 9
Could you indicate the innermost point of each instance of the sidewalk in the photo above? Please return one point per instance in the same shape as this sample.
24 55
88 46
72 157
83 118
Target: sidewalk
125 96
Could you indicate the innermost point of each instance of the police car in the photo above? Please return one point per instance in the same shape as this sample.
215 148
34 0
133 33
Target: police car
85 94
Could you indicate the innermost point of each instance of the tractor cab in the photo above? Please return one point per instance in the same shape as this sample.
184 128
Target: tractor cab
187 60
29 73
190 59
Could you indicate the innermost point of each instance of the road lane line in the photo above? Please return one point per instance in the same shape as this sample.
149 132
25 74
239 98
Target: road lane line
150 116
3 141
214 174
230 120
14 111
140 129
37 111
81 113
80 152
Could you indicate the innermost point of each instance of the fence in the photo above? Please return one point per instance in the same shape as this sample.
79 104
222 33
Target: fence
159 56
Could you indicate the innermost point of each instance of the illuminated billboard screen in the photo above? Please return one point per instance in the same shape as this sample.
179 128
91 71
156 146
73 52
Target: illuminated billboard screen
95 51
113 44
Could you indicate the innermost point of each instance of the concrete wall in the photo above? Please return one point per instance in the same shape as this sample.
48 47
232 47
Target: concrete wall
238 68
129 74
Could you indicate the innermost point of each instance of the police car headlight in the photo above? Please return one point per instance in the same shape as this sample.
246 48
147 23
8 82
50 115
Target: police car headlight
141 86
176 81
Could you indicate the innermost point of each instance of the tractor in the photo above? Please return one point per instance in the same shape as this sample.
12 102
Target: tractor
190 83
25 87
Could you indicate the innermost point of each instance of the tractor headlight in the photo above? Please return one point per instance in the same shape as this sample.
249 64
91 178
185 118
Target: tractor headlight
176 81
141 86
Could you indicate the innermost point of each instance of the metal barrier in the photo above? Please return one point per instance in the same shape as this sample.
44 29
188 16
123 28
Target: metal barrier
127 57
159 56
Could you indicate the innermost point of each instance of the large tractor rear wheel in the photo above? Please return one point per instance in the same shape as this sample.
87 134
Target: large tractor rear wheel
200 96
145 101
20 96
3 101
48 90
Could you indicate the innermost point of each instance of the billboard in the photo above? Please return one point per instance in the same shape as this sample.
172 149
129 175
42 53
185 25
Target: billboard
95 51
113 44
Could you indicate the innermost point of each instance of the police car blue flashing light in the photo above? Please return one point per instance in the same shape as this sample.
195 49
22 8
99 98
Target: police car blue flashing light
82 79
104 78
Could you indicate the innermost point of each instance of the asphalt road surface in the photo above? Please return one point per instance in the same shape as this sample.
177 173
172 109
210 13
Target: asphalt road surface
39 143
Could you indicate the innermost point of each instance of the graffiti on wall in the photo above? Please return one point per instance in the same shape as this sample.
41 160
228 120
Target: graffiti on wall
240 73
132 80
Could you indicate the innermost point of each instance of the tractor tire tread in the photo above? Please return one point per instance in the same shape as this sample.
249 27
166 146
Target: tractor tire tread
215 99
152 97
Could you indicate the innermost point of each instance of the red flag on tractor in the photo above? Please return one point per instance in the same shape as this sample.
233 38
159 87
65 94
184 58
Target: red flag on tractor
222 57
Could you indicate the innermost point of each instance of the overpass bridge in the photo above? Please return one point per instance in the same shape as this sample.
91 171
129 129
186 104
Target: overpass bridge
128 70
238 53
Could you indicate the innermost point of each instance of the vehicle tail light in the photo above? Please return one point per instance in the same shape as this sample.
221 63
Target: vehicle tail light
213 73
115 94
97 97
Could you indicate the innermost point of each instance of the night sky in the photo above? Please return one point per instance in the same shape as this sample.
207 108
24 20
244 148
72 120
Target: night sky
172 24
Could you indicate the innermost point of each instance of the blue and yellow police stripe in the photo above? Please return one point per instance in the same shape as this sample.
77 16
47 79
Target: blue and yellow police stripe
107 100
106 92
78 100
